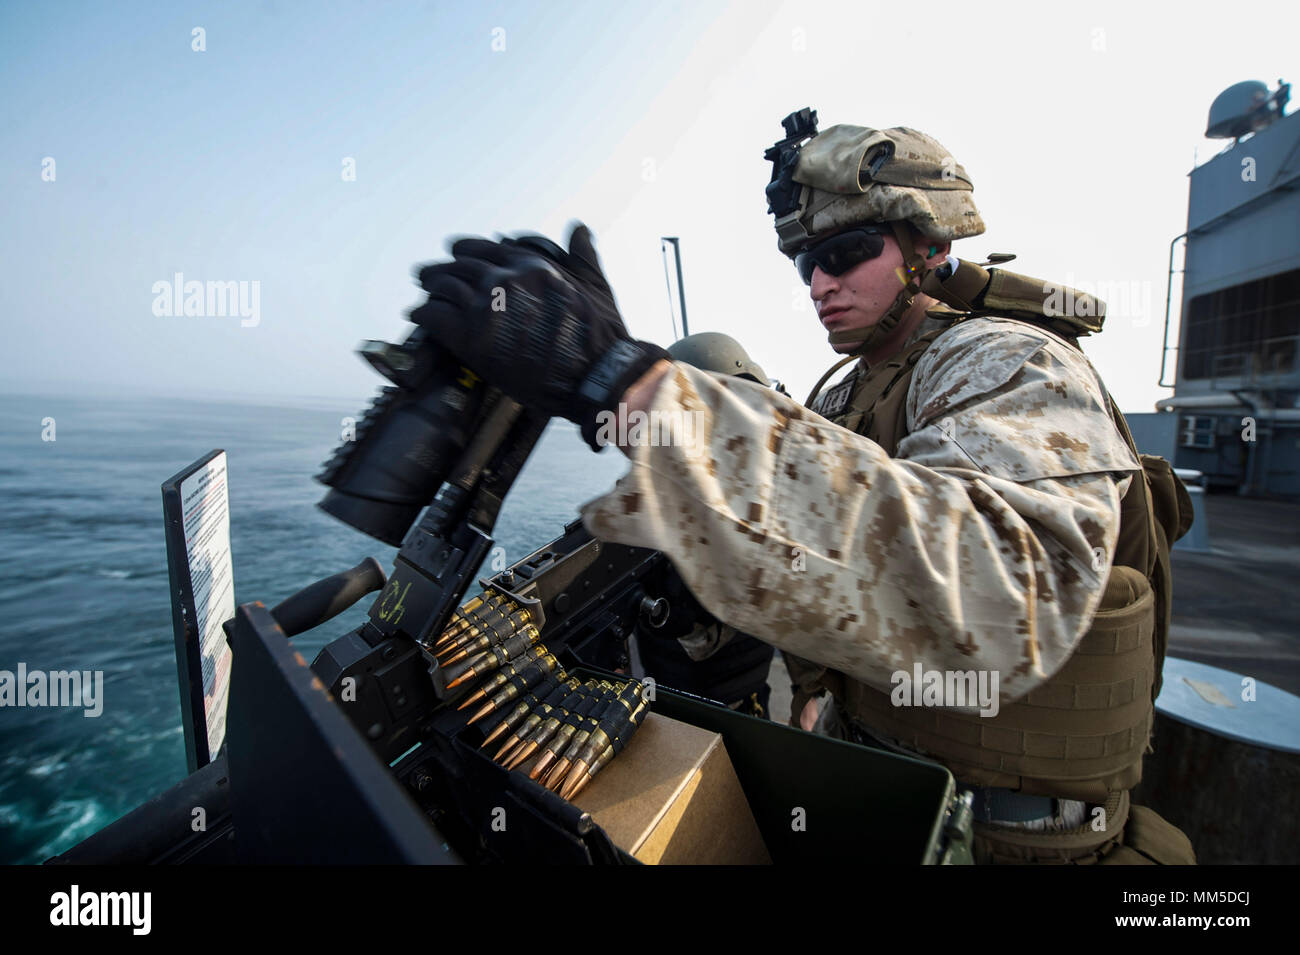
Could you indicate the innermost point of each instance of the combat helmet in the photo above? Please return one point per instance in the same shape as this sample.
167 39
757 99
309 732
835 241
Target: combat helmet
714 351
845 176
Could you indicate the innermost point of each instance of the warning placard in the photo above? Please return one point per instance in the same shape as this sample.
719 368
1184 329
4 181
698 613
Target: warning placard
196 508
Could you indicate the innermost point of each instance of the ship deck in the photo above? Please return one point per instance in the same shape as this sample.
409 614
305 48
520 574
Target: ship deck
1236 607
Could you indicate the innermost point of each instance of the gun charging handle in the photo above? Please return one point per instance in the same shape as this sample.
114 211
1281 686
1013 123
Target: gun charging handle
327 598
653 611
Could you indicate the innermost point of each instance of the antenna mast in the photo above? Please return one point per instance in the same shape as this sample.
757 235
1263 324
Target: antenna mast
681 289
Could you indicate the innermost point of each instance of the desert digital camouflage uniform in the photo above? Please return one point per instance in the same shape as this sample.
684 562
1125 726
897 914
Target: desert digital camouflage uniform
983 545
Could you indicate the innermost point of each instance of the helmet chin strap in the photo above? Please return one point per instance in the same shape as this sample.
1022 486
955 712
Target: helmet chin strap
911 279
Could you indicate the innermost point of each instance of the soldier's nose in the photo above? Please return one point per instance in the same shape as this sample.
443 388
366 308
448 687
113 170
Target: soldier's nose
822 284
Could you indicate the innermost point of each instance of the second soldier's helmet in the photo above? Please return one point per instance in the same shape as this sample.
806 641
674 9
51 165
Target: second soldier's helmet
714 351
851 175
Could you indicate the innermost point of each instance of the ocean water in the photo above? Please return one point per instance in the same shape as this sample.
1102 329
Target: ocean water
83 576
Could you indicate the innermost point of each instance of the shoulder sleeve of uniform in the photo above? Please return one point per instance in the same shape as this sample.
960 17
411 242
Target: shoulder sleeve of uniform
1012 401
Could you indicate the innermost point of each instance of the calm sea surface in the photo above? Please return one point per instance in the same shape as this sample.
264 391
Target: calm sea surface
83 576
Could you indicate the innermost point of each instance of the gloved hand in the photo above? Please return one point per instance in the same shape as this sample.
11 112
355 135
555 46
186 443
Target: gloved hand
537 322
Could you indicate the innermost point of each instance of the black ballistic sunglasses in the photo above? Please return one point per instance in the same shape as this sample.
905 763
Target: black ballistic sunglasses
840 253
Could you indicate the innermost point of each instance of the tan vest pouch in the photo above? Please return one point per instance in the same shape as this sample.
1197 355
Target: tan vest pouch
1081 735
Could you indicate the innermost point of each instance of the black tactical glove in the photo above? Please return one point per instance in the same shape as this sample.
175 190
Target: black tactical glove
537 322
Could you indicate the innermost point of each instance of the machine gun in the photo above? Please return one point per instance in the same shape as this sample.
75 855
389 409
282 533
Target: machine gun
440 429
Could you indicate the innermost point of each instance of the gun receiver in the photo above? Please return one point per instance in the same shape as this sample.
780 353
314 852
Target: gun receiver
586 596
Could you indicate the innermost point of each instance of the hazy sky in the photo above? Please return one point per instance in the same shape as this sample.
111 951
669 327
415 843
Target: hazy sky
643 119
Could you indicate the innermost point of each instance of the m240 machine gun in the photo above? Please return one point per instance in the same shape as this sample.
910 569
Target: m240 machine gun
364 756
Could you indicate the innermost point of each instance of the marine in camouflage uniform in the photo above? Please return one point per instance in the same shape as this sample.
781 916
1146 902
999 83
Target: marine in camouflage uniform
967 501
968 523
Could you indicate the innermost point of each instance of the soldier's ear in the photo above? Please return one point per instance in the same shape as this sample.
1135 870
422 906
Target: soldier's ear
938 250
926 247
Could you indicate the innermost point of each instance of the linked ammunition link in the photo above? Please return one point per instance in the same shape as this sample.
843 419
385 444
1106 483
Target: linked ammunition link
569 729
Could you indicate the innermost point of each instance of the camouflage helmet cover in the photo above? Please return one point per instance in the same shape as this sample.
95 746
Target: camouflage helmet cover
853 175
